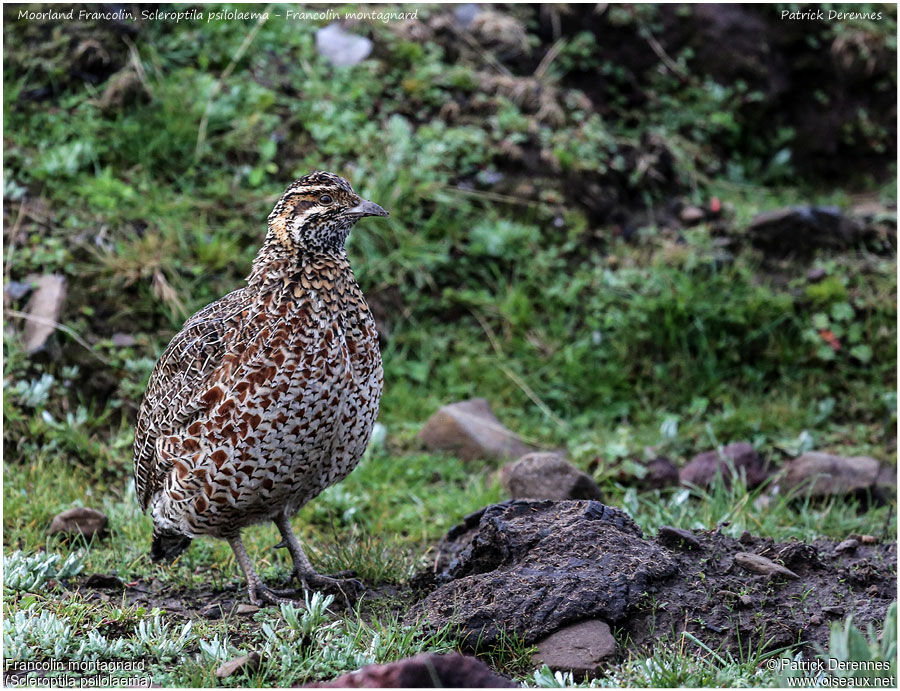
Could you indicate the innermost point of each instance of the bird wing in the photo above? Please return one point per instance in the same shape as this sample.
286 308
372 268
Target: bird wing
180 375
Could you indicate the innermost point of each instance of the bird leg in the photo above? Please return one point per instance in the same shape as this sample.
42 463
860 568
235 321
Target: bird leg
303 571
260 594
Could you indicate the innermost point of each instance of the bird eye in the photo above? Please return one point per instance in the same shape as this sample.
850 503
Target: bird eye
325 199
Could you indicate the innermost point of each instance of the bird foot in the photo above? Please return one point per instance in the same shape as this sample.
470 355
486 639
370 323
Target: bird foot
341 582
262 595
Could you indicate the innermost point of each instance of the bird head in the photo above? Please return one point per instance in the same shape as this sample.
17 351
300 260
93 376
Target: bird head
317 211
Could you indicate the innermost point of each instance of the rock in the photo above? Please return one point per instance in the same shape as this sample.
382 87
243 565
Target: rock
465 13
746 601
886 482
803 229
677 538
428 670
16 290
532 567
103 581
691 215
759 564
80 520
212 611
816 275
661 473
815 620
547 476
704 467
245 608
582 648
43 309
341 48
471 431
824 474
848 545
247 662
121 340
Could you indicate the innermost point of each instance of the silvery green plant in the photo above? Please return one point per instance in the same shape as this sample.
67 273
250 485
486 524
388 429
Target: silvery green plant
24 572
215 650
157 639
545 678
28 635
98 647
35 392
311 617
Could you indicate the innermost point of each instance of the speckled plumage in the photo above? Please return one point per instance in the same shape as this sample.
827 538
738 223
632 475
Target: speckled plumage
268 395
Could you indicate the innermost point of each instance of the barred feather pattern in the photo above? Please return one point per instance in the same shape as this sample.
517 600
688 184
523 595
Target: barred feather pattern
268 395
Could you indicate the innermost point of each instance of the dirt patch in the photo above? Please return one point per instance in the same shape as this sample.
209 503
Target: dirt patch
530 567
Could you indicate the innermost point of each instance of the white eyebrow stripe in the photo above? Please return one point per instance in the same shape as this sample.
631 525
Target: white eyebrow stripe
317 188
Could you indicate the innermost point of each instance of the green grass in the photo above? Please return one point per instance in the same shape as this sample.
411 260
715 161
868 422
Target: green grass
616 350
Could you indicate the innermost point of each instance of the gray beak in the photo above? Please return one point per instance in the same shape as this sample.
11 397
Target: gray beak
367 208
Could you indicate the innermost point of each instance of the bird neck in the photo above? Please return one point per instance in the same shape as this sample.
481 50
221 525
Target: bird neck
275 263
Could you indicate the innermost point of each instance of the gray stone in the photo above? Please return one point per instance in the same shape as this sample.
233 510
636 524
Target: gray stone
341 48
816 275
544 475
16 290
825 474
692 214
661 472
582 648
704 467
761 565
465 13
43 309
121 340
848 545
248 662
80 520
470 430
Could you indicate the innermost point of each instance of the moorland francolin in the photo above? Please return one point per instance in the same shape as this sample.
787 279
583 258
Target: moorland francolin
268 395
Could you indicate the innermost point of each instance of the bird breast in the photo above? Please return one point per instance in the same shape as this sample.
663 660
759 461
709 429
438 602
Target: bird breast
289 413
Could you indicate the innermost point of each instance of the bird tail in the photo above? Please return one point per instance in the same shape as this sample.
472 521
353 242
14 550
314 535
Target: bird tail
167 544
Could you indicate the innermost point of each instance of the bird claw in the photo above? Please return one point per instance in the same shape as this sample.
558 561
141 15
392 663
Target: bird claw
348 587
262 595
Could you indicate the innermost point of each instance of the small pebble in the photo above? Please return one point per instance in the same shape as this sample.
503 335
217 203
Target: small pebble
692 214
846 546
761 565
213 611
816 275
250 661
